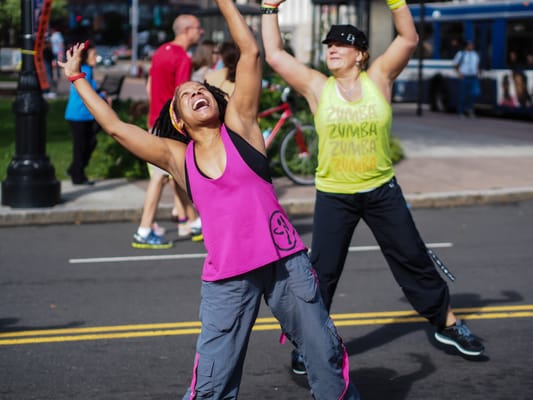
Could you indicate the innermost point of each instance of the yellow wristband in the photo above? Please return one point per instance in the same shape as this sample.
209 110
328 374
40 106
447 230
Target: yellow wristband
395 4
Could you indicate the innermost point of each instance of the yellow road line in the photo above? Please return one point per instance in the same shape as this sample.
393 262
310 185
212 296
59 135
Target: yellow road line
117 328
123 335
526 307
262 324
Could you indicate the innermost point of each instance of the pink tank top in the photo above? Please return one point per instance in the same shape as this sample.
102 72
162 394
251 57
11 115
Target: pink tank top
243 224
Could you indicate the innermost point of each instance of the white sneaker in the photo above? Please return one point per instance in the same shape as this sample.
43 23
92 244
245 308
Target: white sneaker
184 229
196 226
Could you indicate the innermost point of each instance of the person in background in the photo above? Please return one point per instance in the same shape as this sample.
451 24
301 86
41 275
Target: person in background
217 60
512 59
58 48
355 177
213 147
521 88
218 63
204 58
507 99
452 48
529 61
170 66
49 59
466 64
224 78
82 124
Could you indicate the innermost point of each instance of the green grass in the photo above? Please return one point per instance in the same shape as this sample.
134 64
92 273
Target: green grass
109 160
8 76
7 136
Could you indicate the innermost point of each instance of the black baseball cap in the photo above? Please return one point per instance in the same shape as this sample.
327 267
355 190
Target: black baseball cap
347 34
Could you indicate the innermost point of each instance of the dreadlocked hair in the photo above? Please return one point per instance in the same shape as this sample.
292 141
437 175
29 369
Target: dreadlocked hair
163 126
221 97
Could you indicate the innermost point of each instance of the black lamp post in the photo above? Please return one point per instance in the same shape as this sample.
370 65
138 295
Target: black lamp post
30 180
421 35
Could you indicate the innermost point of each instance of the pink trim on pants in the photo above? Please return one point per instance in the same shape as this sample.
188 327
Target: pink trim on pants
345 370
194 372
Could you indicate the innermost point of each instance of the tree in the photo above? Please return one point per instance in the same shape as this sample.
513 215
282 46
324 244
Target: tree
10 20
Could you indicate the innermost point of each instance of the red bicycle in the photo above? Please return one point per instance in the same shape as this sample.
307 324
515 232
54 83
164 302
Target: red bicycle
299 146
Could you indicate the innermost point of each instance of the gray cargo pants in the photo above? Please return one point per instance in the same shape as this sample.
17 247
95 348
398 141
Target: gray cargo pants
228 311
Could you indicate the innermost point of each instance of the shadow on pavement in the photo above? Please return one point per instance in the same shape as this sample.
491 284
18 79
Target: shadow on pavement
390 332
77 191
6 322
385 383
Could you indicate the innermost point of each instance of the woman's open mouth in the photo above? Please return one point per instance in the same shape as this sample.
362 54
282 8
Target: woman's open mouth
200 103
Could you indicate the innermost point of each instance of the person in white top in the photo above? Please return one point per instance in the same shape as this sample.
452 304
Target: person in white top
466 64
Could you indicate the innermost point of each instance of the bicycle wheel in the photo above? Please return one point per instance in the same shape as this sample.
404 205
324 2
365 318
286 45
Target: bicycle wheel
298 154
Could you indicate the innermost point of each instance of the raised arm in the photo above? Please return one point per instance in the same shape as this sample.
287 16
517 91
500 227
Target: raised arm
386 68
304 80
136 140
241 112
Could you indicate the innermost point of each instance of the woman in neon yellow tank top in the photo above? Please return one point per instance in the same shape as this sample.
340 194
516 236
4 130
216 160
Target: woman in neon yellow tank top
355 177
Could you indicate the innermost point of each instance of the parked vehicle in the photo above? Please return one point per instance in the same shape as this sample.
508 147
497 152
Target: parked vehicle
105 56
502 33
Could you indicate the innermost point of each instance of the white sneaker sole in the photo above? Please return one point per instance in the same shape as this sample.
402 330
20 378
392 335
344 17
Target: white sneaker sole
445 340
299 372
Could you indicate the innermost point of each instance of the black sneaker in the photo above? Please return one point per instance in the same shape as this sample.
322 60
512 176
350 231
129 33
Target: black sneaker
297 363
460 336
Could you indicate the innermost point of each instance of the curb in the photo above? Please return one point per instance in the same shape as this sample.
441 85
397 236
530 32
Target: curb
294 207
469 198
299 207
57 217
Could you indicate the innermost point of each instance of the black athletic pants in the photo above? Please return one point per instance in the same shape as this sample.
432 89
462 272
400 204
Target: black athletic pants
385 211
83 145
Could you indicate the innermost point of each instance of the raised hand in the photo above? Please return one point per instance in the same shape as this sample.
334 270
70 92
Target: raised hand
72 65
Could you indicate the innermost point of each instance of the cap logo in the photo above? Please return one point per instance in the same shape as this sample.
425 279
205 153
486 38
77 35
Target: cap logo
350 38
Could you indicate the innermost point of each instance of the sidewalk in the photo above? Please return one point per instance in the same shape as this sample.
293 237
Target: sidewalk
449 162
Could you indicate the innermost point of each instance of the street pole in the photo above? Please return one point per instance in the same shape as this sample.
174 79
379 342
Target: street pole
420 59
30 180
134 19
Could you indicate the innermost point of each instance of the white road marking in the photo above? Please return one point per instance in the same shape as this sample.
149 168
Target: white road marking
162 257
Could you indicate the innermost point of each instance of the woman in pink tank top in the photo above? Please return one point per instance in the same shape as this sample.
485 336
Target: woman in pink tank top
213 147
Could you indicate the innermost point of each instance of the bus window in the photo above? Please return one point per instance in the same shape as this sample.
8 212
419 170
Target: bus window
427 44
483 44
519 42
451 38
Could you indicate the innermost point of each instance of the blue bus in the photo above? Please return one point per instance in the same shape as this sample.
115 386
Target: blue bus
502 33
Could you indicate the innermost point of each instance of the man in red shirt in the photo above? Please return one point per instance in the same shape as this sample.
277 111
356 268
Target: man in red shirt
171 66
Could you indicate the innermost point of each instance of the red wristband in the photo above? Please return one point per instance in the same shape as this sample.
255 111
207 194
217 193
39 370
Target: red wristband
73 78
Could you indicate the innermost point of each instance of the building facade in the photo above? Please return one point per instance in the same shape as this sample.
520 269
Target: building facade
303 22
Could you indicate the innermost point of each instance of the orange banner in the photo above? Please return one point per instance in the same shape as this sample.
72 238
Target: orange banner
38 47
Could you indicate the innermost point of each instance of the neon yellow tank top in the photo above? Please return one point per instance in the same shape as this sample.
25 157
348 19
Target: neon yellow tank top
353 139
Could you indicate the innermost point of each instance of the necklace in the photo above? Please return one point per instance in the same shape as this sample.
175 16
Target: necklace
348 92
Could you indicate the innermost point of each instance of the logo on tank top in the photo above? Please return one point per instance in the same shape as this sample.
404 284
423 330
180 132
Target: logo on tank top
282 232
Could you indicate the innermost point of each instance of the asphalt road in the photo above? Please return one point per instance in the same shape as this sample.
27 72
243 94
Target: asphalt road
85 316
